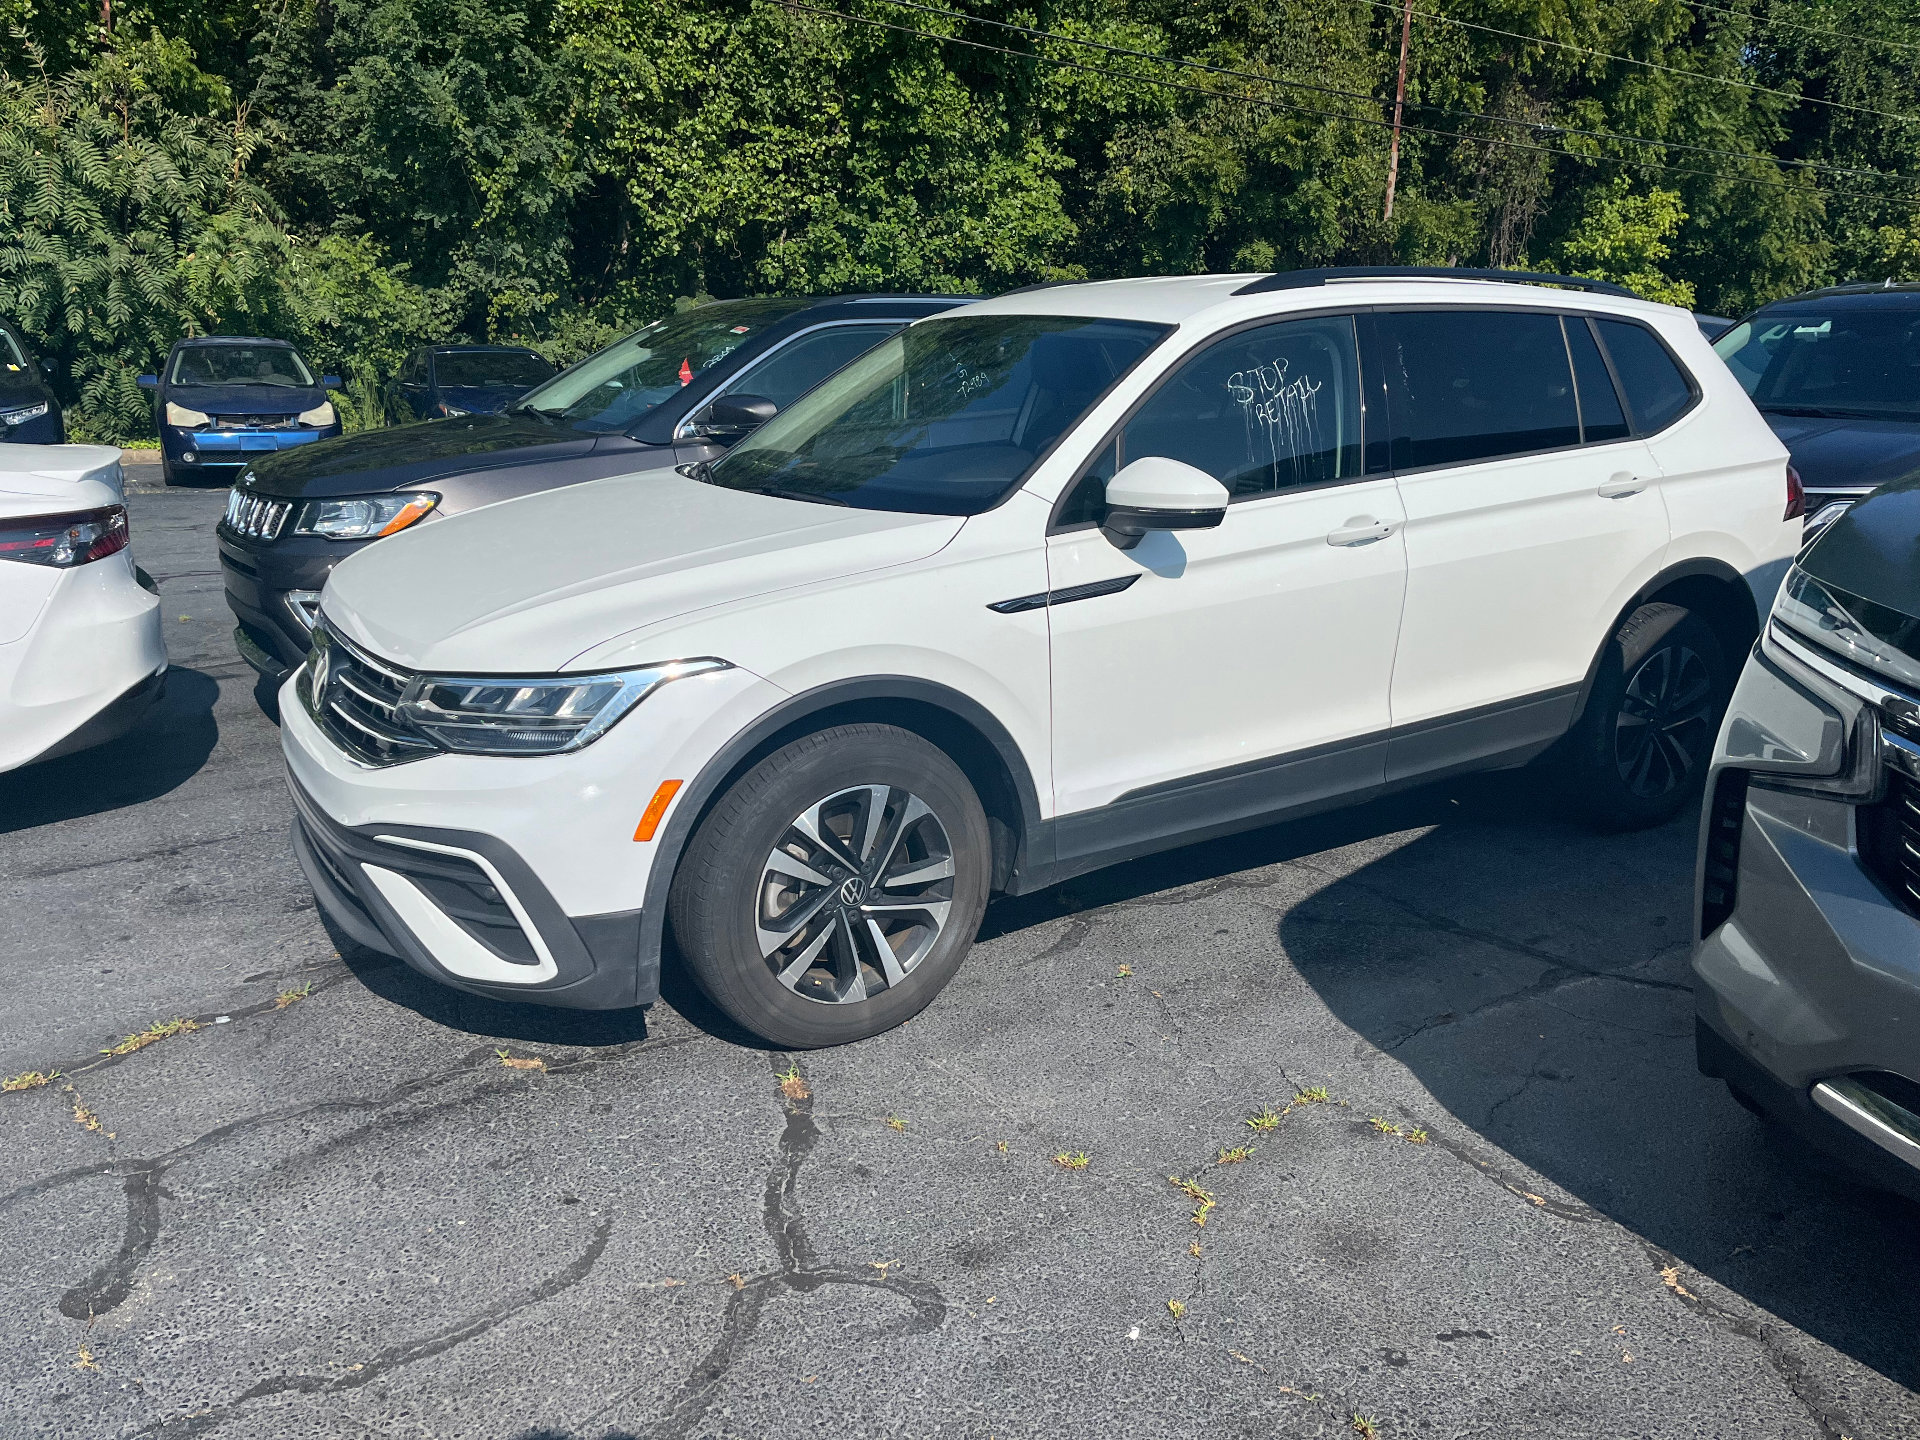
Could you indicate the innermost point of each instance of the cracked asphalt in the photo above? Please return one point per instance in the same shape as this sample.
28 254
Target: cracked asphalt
1517 1212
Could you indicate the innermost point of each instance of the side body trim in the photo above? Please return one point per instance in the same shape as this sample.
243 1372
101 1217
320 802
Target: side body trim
1088 591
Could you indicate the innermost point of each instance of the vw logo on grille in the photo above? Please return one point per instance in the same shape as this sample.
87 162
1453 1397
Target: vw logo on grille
318 667
853 891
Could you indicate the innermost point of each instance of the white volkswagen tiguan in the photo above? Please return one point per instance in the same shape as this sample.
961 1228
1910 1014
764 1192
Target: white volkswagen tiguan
1070 576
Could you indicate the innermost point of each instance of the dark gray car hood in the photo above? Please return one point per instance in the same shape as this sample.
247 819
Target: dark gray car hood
1873 550
1834 454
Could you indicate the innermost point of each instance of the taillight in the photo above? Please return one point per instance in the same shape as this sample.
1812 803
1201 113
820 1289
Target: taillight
1796 496
64 541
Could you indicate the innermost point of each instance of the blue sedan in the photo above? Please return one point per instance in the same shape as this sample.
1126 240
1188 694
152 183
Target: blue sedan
223 401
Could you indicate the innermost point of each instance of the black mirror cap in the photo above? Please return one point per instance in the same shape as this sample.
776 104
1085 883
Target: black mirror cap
740 412
148 382
1126 524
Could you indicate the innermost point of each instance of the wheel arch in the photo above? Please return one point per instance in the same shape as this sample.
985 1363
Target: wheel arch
966 731
1710 588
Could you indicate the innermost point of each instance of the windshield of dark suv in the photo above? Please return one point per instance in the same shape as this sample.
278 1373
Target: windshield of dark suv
942 419
490 367
240 365
1846 361
613 388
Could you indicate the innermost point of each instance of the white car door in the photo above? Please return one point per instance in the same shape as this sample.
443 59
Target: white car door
1208 675
1532 516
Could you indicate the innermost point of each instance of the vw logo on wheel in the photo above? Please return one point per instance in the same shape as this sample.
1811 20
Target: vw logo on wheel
853 891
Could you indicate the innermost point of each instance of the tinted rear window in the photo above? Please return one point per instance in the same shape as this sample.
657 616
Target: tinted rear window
1471 385
490 367
1657 389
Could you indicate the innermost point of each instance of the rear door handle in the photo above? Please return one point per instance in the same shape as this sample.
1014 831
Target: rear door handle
1360 530
1619 487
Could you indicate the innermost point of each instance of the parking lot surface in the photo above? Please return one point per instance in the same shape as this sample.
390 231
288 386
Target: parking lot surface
1494 1197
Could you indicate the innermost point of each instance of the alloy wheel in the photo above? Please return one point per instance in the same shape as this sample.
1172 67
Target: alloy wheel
855 894
1665 722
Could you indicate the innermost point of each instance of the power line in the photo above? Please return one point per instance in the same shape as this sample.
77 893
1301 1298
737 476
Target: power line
1651 64
1771 20
1535 126
1375 122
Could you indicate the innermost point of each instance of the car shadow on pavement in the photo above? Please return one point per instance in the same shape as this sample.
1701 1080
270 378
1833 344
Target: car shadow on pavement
163 751
1534 977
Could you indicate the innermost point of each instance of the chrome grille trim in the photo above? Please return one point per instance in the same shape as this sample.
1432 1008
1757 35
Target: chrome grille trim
258 517
359 703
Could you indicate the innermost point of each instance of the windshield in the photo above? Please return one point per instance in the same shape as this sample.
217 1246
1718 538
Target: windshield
1850 361
943 419
490 367
240 365
11 360
615 387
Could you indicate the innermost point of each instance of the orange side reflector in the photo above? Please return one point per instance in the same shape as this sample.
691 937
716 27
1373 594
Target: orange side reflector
656 807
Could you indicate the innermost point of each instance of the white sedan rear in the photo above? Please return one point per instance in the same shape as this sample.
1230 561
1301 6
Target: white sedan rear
82 654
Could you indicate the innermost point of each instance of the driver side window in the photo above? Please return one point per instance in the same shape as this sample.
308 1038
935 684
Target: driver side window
1265 410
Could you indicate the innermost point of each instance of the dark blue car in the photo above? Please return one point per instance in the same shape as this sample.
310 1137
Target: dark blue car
29 412
224 401
442 380
1836 373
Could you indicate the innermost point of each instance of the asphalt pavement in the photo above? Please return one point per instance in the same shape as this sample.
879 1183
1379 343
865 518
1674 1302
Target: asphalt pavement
1486 1195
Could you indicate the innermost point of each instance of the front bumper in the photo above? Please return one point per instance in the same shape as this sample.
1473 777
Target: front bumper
261 580
1807 976
222 449
403 856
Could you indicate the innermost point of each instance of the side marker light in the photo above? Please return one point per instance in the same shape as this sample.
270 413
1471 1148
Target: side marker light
656 808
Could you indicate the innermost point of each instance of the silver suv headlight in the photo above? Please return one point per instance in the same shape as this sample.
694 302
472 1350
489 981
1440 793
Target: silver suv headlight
544 715
1852 627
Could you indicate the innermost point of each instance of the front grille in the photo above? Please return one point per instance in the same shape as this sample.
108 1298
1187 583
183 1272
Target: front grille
1889 838
258 517
356 700
254 422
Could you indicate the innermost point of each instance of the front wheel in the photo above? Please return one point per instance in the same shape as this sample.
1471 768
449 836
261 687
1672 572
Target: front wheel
835 888
1640 751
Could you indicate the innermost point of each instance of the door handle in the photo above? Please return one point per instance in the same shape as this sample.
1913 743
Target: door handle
1360 530
1620 486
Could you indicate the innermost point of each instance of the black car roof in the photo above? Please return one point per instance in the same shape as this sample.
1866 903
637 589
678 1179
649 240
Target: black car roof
198 342
1903 293
461 349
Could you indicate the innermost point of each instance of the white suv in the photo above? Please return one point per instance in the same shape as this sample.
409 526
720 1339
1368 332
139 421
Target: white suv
1072 575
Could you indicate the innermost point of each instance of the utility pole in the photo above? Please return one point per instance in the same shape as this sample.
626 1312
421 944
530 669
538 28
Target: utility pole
1399 101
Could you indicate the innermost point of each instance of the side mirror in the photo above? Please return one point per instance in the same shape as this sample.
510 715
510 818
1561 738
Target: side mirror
148 382
330 382
732 416
1155 493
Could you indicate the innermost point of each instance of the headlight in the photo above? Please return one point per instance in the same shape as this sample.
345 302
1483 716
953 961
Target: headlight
21 416
321 414
1869 635
546 715
187 419
364 518
451 410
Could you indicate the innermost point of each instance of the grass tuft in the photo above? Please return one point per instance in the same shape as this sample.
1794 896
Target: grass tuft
1268 1119
1415 1136
1073 1160
28 1080
1176 1309
515 1062
1195 1192
1312 1095
793 1084
1235 1155
287 997
896 1124
1365 1426
152 1035
1384 1126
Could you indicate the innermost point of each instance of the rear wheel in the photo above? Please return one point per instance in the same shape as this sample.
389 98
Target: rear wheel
1640 751
835 888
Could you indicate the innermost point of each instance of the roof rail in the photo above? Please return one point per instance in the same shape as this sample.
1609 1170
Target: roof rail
1334 274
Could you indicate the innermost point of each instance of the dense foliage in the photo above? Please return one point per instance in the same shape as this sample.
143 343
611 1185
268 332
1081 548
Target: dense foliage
361 175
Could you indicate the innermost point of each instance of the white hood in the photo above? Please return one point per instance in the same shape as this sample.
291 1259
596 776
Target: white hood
46 479
529 585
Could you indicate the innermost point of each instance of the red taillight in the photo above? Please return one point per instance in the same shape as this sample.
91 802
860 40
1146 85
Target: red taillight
64 541
1796 496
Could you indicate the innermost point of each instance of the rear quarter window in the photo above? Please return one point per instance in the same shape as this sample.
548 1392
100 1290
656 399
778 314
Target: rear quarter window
1658 391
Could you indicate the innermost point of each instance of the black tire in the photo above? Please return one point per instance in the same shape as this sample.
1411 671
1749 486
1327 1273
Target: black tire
726 889
1639 753
1746 1101
167 477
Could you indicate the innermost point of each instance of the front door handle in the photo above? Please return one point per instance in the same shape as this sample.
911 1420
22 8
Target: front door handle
1620 486
1360 530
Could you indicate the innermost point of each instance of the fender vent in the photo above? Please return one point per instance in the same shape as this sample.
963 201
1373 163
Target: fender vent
1726 814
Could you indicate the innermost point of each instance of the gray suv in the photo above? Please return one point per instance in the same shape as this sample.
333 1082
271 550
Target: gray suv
1807 965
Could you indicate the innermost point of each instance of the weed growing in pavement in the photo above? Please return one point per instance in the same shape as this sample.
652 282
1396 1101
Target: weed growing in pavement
1365 1426
85 1118
1415 1136
1001 1147
1194 1249
1073 1160
1124 972
793 1084
1203 1197
1268 1119
28 1080
86 1361
1176 1309
1235 1155
153 1034
287 997
1385 1127
514 1062
1312 1095
896 1124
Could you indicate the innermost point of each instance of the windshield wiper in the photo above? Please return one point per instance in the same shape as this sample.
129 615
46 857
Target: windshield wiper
1828 412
